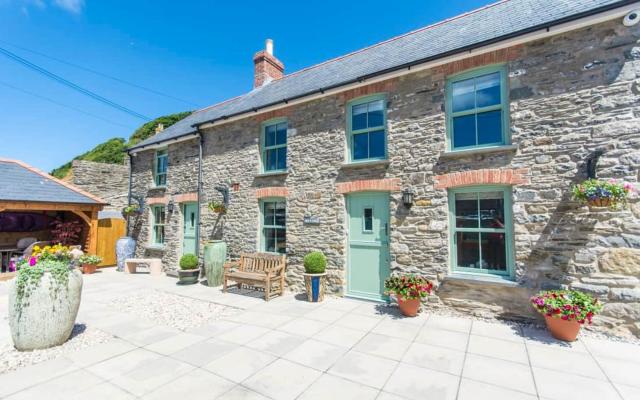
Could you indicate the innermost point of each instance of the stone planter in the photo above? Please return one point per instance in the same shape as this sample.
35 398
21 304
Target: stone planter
315 284
188 276
47 318
410 307
89 268
561 329
125 248
215 254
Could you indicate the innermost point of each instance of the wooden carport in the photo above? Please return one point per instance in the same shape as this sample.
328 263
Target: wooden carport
24 188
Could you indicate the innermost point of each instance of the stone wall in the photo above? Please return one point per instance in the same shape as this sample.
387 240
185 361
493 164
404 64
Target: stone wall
110 182
569 95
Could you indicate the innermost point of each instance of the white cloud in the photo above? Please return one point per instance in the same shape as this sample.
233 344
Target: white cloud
73 6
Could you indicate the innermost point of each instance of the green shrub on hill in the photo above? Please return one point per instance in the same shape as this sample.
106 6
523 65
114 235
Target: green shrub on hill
113 150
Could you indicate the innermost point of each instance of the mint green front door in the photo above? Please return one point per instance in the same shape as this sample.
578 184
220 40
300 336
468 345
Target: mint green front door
368 265
190 225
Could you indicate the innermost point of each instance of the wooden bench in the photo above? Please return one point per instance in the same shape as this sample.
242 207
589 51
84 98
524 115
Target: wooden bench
257 270
155 265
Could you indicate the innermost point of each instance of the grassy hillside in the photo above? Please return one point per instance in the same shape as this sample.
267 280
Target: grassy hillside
113 150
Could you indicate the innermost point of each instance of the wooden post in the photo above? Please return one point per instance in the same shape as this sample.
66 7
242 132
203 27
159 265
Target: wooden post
92 237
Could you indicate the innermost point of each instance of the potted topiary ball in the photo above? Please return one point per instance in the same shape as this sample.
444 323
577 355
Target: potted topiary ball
189 272
315 264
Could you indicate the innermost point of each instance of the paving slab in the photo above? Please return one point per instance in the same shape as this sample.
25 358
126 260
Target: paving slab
282 380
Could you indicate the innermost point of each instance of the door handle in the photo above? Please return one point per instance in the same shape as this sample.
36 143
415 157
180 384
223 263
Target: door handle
386 228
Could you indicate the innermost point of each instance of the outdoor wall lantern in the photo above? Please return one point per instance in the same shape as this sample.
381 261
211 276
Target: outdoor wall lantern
171 206
407 197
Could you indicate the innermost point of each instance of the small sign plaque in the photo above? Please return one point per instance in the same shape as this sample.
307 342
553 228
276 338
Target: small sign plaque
311 220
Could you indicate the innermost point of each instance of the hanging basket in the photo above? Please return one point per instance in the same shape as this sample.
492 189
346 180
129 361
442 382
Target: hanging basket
600 202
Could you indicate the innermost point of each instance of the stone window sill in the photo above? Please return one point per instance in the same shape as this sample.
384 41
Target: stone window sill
274 173
510 148
154 247
481 279
363 164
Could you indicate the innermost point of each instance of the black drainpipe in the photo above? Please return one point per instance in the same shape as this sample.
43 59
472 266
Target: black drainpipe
129 195
200 143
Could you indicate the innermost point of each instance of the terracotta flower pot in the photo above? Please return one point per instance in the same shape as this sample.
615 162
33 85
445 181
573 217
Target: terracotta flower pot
409 307
601 202
561 329
88 268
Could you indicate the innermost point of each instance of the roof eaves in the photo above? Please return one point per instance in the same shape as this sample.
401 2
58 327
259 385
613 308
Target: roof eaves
511 35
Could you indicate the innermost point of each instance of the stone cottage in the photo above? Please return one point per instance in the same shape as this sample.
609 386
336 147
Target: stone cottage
449 151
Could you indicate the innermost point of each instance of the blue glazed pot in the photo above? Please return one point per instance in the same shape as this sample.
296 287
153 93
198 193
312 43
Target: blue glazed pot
315 284
125 248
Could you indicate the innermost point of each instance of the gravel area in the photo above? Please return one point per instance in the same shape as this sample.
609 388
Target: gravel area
81 337
172 310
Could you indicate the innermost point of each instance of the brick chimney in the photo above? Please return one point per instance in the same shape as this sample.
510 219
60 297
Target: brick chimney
267 68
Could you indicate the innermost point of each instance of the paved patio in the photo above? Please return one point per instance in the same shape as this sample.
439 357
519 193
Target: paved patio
339 349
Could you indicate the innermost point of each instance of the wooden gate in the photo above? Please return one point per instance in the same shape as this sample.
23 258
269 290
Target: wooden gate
109 231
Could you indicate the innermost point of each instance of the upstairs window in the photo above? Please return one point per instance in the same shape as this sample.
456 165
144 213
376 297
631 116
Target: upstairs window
160 168
477 109
367 129
274 229
274 146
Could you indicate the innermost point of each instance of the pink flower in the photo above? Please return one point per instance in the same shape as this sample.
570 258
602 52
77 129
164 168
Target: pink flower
565 317
32 261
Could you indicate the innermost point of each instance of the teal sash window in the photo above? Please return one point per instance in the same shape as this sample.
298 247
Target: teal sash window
367 129
274 229
481 230
160 167
274 146
158 222
477 109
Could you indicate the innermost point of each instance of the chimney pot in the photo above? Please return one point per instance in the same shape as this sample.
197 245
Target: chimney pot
267 67
269 46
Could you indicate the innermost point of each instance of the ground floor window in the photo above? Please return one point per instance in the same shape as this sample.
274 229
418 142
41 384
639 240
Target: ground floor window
158 221
274 230
481 230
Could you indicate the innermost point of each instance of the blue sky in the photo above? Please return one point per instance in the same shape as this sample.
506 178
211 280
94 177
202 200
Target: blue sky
197 51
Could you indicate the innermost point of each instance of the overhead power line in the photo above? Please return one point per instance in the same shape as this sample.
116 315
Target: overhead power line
62 104
70 84
102 74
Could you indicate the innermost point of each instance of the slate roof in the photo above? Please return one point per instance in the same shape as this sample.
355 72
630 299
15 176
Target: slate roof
489 24
21 182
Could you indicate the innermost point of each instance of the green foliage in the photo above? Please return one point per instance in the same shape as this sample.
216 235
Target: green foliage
149 129
28 279
113 151
315 263
217 207
408 287
569 305
110 152
595 189
189 261
89 259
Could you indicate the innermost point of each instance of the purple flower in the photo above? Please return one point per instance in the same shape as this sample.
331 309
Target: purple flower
32 261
